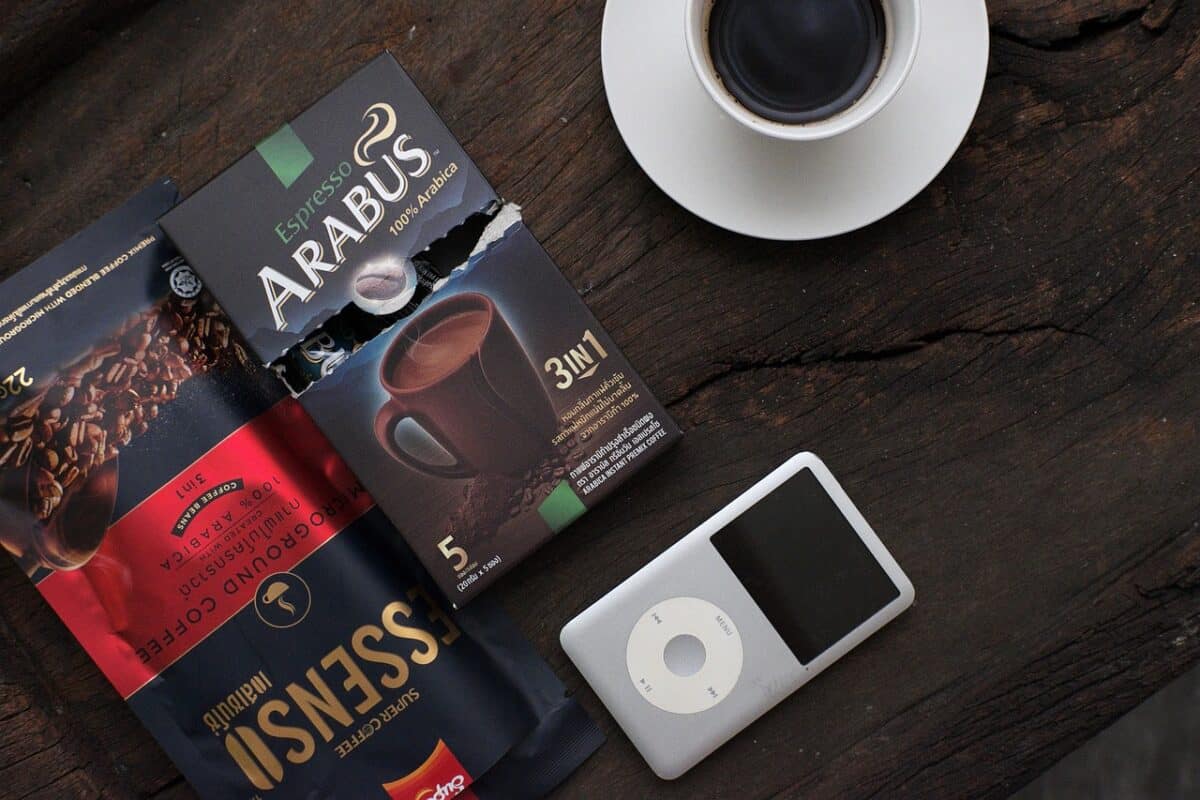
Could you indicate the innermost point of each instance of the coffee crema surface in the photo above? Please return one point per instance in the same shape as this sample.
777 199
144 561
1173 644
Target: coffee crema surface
442 349
797 61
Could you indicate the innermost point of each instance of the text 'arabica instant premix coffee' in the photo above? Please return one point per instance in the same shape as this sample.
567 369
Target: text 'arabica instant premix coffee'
423 327
222 565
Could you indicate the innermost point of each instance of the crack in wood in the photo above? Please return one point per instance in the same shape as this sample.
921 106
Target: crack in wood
32 52
1158 16
876 355
1085 32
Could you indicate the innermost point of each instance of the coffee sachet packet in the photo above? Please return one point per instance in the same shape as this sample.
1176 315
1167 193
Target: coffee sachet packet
223 566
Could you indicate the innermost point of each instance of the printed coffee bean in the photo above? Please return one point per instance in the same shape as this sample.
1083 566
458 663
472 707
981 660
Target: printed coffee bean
23 451
106 398
70 475
20 429
60 395
492 501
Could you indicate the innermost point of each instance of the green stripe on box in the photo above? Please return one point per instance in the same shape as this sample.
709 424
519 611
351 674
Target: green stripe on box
562 507
285 154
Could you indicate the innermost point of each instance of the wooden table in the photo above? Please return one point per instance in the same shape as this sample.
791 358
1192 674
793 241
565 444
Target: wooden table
1005 373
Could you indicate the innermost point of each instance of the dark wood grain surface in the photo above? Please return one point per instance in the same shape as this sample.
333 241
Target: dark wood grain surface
1005 374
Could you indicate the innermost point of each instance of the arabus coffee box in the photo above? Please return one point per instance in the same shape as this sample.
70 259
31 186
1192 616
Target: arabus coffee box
225 568
422 326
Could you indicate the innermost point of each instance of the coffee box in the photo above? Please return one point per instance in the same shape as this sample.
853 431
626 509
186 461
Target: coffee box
420 323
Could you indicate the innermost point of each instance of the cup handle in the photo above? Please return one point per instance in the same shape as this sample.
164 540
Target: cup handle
392 414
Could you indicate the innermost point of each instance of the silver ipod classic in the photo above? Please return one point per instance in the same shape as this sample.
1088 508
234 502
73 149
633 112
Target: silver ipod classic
737 615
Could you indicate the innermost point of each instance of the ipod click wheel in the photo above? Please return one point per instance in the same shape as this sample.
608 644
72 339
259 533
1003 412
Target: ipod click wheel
737 615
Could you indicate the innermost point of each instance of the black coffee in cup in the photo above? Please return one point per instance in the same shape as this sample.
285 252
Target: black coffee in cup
797 61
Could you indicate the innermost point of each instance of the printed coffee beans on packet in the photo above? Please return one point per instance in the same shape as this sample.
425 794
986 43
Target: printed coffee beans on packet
366 258
222 565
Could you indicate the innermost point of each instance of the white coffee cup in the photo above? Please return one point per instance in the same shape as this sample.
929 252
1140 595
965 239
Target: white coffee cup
902 19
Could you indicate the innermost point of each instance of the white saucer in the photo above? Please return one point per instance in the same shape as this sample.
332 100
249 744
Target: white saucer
772 189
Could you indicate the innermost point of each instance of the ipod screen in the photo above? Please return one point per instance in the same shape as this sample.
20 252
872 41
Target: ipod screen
805 566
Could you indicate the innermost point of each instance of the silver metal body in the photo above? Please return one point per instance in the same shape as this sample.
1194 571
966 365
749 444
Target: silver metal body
623 643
